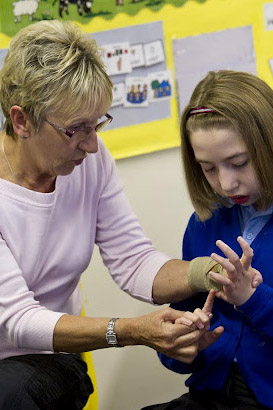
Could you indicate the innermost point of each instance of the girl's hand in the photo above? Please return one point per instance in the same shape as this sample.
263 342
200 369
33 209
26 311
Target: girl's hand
237 281
200 319
209 337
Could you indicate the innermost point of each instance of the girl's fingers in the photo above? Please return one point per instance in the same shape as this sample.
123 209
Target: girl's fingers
257 278
200 320
230 254
225 263
207 308
221 295
186 322
204 317
220 279
247 252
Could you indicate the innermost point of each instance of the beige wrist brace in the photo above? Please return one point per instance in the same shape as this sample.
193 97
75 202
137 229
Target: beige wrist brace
198 278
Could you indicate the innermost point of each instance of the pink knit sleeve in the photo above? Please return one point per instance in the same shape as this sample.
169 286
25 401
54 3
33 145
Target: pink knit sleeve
129 255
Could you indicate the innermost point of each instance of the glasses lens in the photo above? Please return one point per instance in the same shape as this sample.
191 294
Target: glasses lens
103 124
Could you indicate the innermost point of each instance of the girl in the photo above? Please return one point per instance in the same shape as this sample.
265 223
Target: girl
227 150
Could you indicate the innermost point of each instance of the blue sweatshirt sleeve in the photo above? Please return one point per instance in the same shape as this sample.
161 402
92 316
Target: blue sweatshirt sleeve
258 309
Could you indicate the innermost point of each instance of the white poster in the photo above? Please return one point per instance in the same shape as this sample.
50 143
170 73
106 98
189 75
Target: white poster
118 94
117 58
137 55
160 86
136 92
154 52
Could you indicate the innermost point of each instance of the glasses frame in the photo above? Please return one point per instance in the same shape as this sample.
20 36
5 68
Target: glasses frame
70 134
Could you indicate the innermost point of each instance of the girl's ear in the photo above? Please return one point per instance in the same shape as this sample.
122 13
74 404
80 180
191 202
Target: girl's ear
20 121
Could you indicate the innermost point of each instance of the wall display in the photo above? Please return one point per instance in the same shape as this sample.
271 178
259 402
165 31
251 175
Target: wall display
133 67
155 52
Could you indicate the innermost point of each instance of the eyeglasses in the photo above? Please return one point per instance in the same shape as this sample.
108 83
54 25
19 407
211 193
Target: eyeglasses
82 129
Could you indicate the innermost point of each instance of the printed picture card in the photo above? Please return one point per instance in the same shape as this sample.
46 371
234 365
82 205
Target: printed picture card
117 58
268 16
137 55
154 52
136 92
160 86
118 94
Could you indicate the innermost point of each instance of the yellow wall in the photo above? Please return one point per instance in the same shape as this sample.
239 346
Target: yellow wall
190 19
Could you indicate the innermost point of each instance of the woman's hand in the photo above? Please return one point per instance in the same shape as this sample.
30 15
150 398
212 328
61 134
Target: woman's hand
171 332
237 281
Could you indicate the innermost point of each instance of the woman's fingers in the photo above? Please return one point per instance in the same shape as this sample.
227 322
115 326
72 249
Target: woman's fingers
187 354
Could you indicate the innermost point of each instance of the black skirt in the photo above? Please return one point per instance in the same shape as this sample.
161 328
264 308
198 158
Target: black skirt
44 382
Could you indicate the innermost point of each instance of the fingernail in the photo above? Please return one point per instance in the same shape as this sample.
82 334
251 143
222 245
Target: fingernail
185 321
256 283
210 315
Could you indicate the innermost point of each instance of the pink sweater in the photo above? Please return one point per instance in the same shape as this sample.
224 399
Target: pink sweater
47 241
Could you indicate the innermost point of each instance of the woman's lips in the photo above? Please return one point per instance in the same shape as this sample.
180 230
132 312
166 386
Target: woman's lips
239 199
79 161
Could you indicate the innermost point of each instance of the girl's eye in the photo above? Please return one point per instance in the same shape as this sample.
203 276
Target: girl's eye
208 170
242 164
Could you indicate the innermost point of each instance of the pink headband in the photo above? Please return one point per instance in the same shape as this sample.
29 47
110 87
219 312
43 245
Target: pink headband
200 110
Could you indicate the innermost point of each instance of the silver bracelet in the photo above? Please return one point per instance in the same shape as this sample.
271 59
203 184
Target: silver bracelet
111 335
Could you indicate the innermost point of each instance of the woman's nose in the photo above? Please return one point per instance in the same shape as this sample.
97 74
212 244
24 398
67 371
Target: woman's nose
89 143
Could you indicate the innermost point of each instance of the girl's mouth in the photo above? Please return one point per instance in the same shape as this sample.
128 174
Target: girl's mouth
239 200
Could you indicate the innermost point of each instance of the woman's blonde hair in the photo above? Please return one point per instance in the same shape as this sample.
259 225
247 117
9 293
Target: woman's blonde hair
52 65
244 103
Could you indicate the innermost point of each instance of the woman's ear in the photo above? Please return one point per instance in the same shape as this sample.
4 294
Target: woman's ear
20 121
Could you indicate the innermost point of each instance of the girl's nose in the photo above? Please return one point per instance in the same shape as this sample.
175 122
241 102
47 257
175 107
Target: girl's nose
228 181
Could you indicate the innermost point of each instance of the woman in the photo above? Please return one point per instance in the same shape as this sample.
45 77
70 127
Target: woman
56 203
227 149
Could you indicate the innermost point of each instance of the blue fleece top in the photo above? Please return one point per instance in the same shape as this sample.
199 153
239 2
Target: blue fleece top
248 332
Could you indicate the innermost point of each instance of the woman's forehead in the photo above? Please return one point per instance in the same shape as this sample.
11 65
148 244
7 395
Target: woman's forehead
83 112
73 107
